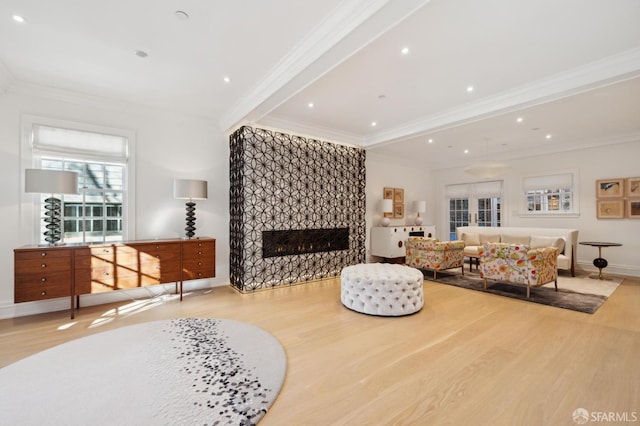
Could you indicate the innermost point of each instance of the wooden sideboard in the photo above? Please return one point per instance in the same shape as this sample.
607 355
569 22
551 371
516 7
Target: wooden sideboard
49 272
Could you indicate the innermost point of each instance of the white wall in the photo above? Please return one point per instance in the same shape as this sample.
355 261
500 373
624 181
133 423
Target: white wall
609 161
416 182
168 146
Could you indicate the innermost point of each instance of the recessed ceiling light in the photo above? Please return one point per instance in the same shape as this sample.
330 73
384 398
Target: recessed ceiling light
548 136
18 18
182 15
141 54
374 124
405 50
310 104
430 141
469 88
519 119
226 79
466 151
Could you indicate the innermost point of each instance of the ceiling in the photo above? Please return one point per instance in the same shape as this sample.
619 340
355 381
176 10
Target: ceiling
570 70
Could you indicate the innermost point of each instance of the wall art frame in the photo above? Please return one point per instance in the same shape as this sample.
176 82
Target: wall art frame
633 209
610 209
632 186
610 188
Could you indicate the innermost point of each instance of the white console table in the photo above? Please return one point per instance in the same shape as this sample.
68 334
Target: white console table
388 241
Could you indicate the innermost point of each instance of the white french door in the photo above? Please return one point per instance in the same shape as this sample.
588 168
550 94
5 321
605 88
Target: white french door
474 204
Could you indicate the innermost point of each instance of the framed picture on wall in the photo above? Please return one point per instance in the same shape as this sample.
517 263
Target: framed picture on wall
633 187
398 195
610 188
387 193
610 209
633 209
398 210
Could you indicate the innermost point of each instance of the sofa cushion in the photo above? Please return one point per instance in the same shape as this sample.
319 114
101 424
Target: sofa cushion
489 238
514 239
542 241
471 239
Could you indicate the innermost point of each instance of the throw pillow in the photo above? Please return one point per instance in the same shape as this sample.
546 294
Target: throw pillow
471 239
514 239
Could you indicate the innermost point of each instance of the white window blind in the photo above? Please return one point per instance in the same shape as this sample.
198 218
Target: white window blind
79 143
479 189
557 181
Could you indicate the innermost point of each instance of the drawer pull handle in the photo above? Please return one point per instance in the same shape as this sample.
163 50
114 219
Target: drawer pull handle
105 273
44 265
199 274
43 293
43 279
199 244
43 254
199 263
199 252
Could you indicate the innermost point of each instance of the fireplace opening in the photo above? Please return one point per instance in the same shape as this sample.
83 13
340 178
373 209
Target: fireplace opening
301 241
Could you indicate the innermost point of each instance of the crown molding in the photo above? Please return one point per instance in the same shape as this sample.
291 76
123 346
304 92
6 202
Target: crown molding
346 30
64 95
311 131
606 71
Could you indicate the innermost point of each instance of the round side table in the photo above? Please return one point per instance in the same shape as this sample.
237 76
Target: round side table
600 262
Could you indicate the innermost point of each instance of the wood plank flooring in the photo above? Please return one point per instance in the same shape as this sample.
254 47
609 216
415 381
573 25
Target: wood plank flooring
466 358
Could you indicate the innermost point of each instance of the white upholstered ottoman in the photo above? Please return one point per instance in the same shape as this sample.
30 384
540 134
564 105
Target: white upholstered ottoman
382 289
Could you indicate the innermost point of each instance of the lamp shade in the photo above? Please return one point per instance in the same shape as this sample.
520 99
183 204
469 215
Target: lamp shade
387 206
421 206
50 181
190 189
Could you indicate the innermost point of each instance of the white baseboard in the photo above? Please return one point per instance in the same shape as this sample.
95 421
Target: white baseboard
625 270
13 310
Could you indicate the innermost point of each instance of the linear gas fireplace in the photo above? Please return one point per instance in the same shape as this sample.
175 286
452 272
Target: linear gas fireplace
301 241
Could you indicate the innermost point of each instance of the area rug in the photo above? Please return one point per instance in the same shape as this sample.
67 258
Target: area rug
173 372
574 293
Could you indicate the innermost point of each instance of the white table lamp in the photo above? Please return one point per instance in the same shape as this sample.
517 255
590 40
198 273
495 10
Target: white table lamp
186 189
387 207
51 182
421 207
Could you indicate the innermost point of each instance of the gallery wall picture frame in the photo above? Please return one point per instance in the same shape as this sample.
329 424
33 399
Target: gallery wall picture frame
610 209
633 209
632 186
610 188
398 210
398 195
387 193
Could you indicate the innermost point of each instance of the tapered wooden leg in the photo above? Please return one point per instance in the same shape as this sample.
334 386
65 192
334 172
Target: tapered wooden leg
484 280
528 290
556 283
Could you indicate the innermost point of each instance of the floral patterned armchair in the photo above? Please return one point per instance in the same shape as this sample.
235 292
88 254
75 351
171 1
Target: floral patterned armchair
516 263
429 253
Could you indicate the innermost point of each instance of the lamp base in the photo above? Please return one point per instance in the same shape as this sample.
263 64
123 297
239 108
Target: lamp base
385 221
418 220
191 219
52 219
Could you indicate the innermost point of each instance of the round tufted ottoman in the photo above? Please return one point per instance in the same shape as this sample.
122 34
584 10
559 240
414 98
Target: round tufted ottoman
382 289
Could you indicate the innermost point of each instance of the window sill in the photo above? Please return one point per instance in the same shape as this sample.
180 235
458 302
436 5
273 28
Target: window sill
554 215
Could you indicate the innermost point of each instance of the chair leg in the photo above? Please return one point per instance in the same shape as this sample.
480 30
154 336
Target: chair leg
434 274
484 280
528 290
556 283
462 267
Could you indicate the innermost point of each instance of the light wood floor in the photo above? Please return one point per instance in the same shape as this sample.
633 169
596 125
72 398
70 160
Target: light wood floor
466 358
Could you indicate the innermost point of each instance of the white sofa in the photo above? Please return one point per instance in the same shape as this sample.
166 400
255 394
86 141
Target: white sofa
565 240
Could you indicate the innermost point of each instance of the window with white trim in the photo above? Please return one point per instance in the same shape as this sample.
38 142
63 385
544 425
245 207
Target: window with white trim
97 212
550 194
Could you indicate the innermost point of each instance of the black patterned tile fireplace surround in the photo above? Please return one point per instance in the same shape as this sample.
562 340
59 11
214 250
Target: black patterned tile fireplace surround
297 208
